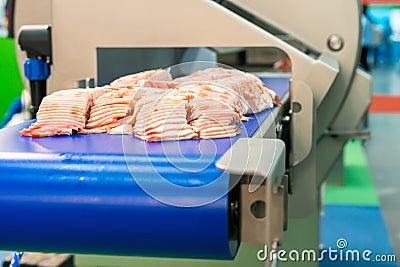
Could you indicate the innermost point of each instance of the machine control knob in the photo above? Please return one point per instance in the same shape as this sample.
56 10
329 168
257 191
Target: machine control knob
36 69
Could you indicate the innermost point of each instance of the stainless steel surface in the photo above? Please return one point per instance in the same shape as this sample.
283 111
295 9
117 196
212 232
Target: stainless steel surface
335 42
259 158
263 190
263 56
302 121
255 230
361 134
302 157
338 45
265 171
85 83
279 210
303 27
321 81
356 103
71 62
347 121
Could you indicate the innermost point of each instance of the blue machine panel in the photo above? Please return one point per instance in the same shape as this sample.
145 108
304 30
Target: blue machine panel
84 194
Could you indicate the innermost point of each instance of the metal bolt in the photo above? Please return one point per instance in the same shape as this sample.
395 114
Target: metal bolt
335 42
286 119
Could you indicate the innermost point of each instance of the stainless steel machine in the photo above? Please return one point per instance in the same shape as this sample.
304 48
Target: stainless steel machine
278 198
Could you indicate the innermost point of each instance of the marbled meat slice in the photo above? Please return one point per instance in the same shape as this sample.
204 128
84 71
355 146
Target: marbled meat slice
170 124
158 78
63 112
109 111
255 95
210 113
151 105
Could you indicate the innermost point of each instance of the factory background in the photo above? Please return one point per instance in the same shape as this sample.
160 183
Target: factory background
384 67
362 208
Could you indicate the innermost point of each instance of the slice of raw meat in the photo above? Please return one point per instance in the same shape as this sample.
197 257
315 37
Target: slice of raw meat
255 96
162 119
206 104
63 113
214 111
158 78
109 110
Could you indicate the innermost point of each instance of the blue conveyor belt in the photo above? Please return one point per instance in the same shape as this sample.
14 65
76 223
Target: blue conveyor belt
76 194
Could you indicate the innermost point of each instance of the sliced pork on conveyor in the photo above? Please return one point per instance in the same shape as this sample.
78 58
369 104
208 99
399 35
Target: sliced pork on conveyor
151 78
63 112
162 118
255 96
151 105
213 110
213 119
108 111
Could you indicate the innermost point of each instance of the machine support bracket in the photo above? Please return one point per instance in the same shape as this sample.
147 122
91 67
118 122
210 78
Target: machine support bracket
260 164
302 113
322 75
37 42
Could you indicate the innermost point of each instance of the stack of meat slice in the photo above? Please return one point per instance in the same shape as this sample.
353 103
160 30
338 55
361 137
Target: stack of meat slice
162 118
254 95
264 90
108 111
213 110
62 113
154 107
151 78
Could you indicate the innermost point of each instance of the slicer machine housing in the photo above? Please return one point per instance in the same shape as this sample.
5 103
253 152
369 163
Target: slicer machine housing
328 94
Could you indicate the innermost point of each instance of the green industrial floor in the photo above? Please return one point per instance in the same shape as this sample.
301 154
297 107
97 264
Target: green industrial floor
358 186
